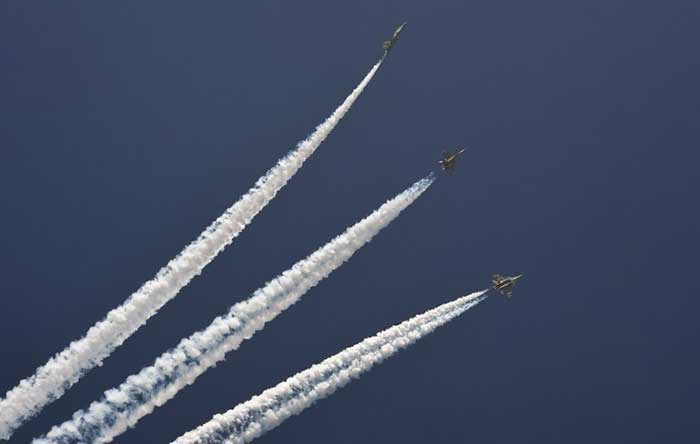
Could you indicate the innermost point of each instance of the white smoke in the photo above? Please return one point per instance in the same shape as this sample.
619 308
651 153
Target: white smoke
266 411
122 407
51 380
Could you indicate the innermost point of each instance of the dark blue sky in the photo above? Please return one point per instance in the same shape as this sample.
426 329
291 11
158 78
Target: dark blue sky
126 128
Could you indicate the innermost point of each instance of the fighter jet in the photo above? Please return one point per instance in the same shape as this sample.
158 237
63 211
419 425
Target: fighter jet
390 43
504 284
449 161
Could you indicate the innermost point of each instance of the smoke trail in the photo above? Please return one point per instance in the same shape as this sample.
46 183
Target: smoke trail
266 411
122 407
51 380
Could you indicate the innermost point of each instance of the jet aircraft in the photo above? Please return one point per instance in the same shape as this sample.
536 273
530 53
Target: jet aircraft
449 161
390 43
504 284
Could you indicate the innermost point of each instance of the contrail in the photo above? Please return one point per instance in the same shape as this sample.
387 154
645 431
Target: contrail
51 380
266 411
121 407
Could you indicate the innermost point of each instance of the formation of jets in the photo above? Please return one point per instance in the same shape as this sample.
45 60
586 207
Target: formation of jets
502 284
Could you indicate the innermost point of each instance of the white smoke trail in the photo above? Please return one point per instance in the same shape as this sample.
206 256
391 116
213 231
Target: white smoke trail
266 411
122 407
51 380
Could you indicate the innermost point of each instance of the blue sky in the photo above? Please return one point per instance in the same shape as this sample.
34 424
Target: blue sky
127 128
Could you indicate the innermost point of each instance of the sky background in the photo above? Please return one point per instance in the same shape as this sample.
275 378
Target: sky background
127 127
